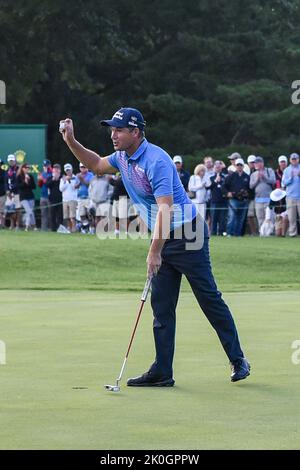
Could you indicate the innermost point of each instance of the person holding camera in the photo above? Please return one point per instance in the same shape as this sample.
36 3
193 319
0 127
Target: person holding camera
26 185
237 190
55 197
67 186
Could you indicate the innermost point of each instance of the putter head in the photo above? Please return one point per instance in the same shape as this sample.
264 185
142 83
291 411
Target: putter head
112 388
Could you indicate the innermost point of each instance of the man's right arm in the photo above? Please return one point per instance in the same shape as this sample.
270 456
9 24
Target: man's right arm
254 180
90 159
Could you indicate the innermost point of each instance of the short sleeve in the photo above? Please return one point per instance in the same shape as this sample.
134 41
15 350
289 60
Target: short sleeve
160 176
113 160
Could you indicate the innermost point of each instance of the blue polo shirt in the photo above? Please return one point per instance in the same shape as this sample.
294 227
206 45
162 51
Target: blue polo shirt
83 190
150 173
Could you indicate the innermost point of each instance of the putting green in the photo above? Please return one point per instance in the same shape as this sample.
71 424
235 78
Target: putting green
63 346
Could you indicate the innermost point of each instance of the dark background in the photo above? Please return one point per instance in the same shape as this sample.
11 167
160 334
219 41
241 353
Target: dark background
210 77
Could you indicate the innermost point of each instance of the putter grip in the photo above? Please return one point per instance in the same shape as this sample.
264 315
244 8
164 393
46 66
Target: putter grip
146 289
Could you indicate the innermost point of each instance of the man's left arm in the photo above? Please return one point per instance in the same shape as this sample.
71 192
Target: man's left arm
160 234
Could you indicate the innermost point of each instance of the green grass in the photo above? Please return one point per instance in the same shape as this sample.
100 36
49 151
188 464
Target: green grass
66 315
57 261
60 340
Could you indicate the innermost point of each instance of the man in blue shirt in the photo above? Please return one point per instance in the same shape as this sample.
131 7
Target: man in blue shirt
151 180
291 181
83 179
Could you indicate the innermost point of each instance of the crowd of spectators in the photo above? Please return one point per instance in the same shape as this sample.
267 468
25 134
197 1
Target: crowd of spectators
235 199
246 197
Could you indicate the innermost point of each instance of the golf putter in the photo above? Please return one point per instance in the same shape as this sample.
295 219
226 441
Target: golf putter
116 388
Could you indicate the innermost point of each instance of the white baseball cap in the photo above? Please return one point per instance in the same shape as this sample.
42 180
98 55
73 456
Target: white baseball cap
239 161
251 159
68 166
81 165
282 158
277 194
177 159
234 156
11 158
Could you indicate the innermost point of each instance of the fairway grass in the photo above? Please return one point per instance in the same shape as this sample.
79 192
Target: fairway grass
63 346
52 261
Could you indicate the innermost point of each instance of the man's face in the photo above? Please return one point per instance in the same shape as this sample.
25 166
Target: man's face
208 163
282 165
83 170
218 167
251 165
56 172
123 137
259 165
294 161
239 168
11 163
178 166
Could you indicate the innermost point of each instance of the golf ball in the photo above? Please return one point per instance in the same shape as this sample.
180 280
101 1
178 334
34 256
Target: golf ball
62 126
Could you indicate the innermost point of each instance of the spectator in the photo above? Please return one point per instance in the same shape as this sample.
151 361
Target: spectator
98 194
120 201
69 196
232 158
251 208
218 202
183 174
2 195
262 181
13 192
55 197
236 188
278 204
283 163
83 179
224 169
232 167
26 185
291 181
44 199
199 182
209 165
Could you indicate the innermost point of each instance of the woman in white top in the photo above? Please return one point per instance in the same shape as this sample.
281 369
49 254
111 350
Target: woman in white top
199 182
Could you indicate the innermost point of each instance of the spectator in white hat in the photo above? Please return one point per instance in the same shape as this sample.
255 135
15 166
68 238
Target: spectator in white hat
251 220
2 195
291 181
67 186
183 174
251 162
232 167
278 203
282 164
83 179
13 195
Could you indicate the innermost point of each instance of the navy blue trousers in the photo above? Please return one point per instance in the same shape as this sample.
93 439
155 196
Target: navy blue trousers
195 265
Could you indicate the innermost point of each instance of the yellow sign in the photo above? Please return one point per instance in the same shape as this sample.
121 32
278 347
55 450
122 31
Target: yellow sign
20 156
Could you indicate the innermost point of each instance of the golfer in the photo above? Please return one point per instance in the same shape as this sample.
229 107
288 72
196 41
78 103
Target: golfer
152 182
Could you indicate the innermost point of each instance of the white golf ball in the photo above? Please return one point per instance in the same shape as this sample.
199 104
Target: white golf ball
62 126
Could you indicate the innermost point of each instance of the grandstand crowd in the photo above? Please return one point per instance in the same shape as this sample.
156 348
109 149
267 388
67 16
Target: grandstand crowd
235 199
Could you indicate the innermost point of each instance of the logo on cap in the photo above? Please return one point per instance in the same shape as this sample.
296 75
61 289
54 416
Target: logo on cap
118 115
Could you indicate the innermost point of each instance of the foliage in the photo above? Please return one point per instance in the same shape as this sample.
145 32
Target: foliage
207 75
